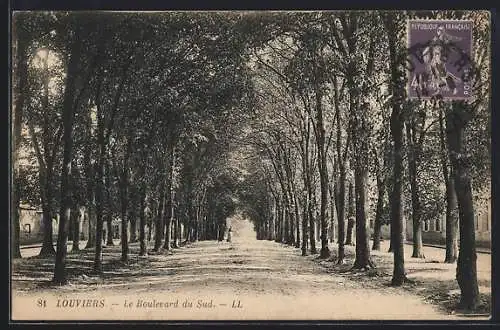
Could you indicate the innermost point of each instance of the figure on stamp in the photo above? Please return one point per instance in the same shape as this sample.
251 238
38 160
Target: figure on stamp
441 78
421 80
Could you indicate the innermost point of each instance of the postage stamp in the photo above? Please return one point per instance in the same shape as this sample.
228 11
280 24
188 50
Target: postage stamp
440 61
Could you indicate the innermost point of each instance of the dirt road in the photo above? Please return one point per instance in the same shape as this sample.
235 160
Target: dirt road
242 280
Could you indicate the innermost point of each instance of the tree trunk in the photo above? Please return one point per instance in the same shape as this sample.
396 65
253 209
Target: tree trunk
451 200
108 214
175 244
109 229
278 220
451 221
350 216
66 194
48 243
286 215
377 226
159 225
99 221
339 184
100 187
360 136
90 199
168 225
297 220
272 215
75 214
71 226
415 197
304 147
108 217
169 196
323 174
304 226
397 240
312 226
393 23
456 122
142 224
291 215
20 74
341 214
124 212
332 212
91 215
181 231
196 227
350 230
133 224
362 260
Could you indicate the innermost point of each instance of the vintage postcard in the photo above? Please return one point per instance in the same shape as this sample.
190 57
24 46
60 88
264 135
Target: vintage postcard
250 165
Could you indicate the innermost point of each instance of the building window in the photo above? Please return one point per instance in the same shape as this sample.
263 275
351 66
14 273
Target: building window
27 229
438 224
476 219
426 225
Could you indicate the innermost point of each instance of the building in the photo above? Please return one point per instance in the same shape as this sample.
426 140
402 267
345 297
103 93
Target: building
30 220
31 225
434 230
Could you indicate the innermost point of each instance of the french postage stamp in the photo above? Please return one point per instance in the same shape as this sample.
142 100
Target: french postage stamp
440 61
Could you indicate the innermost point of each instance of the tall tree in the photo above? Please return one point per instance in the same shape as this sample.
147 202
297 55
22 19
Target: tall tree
456 122
451 222
20 40
68 119
393 23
